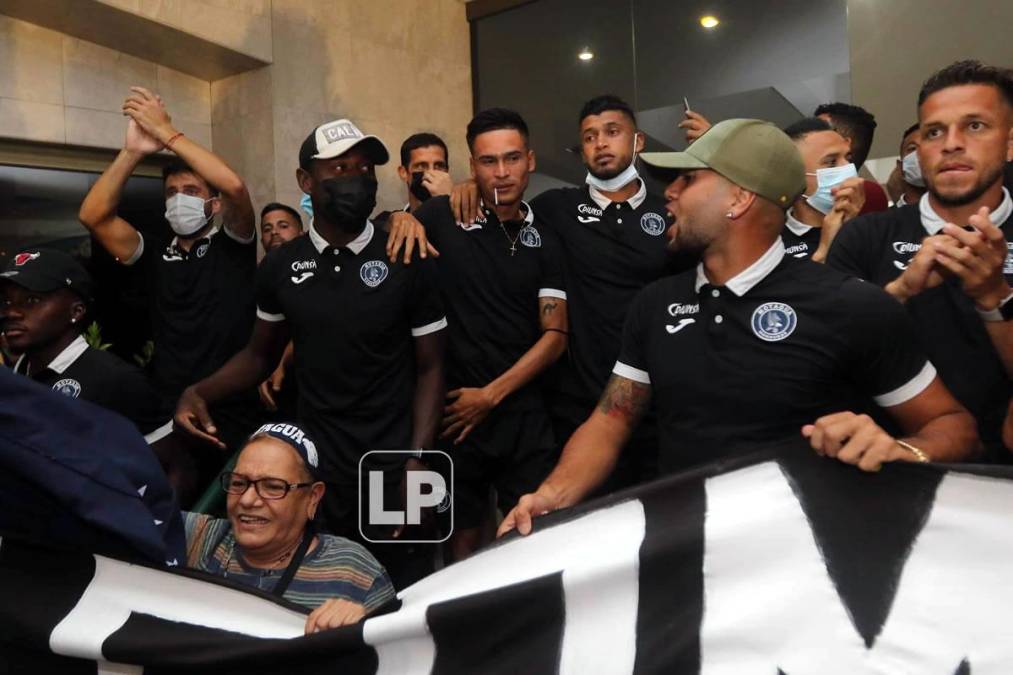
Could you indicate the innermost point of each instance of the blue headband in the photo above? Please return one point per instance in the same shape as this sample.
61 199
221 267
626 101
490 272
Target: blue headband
295 438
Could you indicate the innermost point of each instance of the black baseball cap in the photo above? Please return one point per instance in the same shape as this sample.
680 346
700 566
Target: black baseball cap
45 270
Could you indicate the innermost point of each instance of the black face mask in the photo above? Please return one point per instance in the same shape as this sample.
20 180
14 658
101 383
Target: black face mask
348 201
420 192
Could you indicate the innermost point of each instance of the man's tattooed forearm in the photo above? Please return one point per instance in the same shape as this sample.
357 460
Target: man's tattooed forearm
625 398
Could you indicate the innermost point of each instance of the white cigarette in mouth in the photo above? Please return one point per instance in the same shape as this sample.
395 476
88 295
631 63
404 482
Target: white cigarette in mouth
495 196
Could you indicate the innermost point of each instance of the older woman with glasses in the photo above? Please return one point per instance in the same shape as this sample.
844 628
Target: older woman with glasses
269 541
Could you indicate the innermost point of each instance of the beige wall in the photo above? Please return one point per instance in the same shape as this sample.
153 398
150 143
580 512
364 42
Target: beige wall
58 89
394 67
896 45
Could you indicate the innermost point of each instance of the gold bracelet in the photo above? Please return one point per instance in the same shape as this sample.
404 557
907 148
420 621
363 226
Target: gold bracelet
918 453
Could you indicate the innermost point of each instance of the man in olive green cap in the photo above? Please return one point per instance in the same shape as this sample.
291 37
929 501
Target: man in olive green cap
751 347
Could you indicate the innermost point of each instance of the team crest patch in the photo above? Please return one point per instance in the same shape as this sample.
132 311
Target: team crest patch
529 237
68 387
652 224
773 321
373 273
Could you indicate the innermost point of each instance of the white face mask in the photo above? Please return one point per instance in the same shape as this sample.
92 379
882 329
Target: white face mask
912 169
625 177
185 214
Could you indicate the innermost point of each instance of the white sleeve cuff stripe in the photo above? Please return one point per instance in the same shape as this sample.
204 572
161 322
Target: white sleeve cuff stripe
551 293
906 392
430 328
159 433
138 252
273 318
631 373
235 237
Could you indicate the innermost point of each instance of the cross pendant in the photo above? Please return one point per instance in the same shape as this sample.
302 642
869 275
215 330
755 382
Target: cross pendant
513 249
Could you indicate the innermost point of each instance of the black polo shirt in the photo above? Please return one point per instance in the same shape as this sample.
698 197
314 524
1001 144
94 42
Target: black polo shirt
202 305
783 343
97 376
800 240
491 294
611 250
878 247
353 317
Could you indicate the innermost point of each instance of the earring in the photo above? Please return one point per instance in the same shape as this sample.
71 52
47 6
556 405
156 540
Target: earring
73 320
728 215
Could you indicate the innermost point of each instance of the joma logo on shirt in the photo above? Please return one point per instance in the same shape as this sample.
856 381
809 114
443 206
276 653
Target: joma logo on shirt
677 309
300 265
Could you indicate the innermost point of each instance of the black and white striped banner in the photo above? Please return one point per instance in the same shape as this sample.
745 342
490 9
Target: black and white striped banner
779 562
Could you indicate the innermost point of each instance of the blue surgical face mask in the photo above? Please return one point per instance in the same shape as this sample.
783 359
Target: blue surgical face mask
306 204
822 200
912 169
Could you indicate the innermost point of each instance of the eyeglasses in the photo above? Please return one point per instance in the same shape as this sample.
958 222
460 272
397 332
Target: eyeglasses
268 488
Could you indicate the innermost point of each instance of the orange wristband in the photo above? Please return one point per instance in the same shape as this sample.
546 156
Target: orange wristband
168 143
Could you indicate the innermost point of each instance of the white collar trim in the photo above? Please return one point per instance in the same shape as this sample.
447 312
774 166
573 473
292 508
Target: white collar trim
212 232
797 227
602 201
355 246
933 222
744 281
63 360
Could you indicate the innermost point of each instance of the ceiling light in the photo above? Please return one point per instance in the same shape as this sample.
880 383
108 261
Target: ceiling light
709 21
585 54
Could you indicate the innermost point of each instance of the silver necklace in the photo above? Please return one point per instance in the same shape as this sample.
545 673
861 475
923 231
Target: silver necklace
513 242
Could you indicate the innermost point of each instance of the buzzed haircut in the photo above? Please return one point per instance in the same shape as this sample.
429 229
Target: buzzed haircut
805 126
603 103
422 140
854 123
969 72
913 127
495 119
278 206
177 166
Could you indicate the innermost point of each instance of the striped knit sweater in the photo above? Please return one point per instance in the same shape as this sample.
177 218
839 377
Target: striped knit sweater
336 568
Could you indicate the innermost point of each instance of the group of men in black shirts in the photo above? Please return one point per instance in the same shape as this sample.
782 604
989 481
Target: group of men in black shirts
534 342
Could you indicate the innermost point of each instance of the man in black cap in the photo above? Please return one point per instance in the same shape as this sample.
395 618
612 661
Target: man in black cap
45 302
753 346
368 336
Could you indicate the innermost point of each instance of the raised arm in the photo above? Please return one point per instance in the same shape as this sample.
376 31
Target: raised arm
145 108
589 455
98 210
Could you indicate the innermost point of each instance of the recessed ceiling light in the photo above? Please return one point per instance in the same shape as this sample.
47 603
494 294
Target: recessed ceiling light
585 54
709 21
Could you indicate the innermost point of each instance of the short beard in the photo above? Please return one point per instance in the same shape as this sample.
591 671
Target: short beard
974 193
608 174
